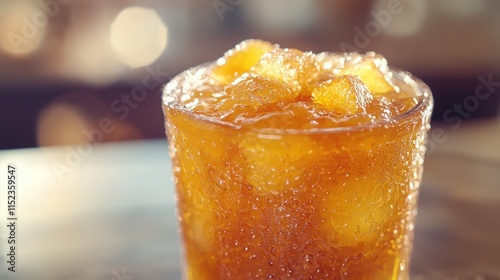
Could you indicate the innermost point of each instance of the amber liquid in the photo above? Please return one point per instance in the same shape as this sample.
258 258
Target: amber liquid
333 205
330 203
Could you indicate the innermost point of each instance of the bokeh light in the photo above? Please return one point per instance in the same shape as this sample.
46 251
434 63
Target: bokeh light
61 124
90 57
22 27
78 118
138 36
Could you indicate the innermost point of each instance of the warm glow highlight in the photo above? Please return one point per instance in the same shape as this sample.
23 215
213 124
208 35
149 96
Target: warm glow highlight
61 124
138 36
22 28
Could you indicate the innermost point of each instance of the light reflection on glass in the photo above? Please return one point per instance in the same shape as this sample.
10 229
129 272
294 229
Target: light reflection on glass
138 36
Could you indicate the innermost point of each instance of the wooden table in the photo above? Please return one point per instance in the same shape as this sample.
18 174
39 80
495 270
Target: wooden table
111 213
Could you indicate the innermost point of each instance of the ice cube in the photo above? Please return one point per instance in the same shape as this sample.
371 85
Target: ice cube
373 70
239 60
344 95
275 163
328 65
290 66
356 211
200 228
256 91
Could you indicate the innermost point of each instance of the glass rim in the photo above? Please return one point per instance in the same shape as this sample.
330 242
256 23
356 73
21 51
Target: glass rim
425 102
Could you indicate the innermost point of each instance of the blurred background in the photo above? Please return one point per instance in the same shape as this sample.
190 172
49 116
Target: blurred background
76 72
69 67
